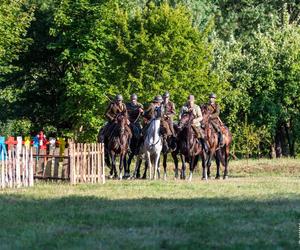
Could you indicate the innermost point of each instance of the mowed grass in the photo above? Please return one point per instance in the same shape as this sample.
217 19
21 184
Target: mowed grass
258 207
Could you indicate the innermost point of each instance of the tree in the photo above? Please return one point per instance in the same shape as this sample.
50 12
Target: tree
109 51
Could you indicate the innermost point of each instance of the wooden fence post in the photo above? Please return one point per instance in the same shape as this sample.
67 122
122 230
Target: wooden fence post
30 170
103 163
72 163
2 171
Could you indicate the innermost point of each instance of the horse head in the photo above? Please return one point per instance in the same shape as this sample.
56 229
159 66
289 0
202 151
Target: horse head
206 116
185 120
121 121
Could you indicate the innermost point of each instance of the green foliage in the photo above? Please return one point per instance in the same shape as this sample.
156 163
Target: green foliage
15 20
15 128
249 139
159 49
61 62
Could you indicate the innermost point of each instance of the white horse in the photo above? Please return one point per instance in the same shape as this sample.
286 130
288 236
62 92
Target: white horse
151 148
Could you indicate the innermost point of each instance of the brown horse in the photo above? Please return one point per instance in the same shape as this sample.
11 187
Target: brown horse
189 148
117 143
221 152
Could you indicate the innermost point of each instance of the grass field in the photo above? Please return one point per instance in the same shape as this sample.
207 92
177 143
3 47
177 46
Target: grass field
258 207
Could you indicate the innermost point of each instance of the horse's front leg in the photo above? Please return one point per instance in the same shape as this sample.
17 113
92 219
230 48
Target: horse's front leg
156 164
226 155
218 162
192 162
145 171
174 156
113 165
127 168
182 176
165 156
206 168
148 160
122 162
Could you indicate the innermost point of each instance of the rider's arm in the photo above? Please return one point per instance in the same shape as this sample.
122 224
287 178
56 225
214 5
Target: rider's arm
108 113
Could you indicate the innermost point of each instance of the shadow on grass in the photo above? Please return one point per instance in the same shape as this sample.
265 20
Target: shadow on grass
76 222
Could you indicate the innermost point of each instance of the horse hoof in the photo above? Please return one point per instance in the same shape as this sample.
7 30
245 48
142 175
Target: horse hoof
225 177
217 178
204 179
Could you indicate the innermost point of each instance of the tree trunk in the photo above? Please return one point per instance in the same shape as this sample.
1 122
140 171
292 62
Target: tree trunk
272 152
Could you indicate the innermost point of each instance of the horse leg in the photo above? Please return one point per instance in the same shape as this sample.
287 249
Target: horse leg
204 162
183 167
165 165
121 166
106 159
192 159
127 168
145 171
113 163
157 164
175 163
148 159
137 164
226 162
218 166
206 166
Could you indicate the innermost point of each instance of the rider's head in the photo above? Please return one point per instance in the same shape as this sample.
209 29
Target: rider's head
166 96
133 98
157 100
212 97
119 99
191 100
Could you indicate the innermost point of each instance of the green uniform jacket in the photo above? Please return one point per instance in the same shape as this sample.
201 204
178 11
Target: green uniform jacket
133 111
114 109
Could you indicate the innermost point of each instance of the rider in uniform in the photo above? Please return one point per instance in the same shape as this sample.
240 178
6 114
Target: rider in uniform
154 109
114 109
168 114
134 109
214 109
191 107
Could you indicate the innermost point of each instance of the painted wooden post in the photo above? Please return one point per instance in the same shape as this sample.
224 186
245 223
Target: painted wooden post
18 161
2 171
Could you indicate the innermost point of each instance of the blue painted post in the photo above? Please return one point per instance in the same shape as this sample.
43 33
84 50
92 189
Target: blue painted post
2 148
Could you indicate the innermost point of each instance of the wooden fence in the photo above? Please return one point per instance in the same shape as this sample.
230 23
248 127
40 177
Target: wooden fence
16 167
79 163
87 163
